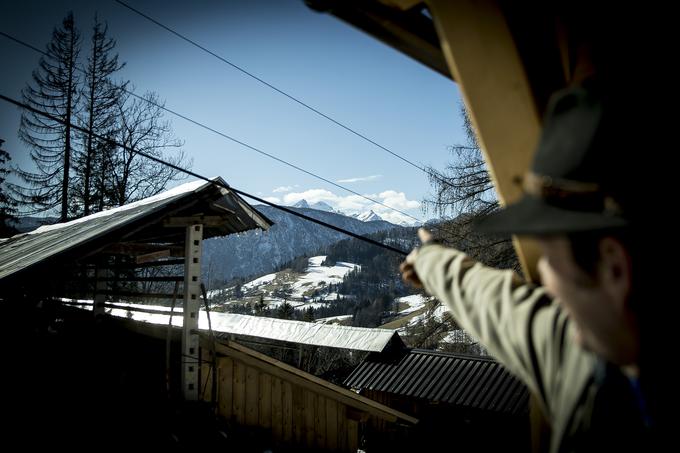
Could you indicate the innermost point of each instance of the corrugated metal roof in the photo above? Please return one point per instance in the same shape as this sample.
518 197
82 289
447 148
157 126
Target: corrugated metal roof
474 382
24 250
329 335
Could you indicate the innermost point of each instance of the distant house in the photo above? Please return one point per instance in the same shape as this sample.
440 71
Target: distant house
464 402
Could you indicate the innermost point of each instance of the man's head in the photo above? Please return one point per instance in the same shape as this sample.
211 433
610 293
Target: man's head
591 277
576 195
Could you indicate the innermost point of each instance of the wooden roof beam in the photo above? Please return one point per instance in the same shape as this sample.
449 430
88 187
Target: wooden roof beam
482 56
206 220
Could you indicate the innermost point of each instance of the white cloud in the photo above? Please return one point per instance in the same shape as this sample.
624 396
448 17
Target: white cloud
312 196
282 189
272 200
354 203
398 200
360 178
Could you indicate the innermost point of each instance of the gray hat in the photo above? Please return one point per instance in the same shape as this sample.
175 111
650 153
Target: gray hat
579 175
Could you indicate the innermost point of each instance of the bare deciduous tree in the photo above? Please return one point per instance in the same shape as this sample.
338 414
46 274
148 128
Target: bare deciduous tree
463 194
100 97
143 128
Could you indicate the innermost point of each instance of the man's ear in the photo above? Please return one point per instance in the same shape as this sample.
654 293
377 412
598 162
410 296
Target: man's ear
615 270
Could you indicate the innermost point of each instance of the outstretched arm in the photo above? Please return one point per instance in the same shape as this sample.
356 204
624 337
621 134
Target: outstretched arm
517 322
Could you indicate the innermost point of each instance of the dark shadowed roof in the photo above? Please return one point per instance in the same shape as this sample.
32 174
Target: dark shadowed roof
142 221
460 380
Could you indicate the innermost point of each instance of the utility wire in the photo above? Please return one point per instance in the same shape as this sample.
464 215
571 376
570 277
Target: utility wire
204 178
228 137
278 90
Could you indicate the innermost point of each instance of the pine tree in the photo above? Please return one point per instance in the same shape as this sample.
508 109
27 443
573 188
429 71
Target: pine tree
100 98
54 92
7 205
260 306
308 315
285 310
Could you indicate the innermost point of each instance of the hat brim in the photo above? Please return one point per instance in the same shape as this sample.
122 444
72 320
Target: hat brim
533 216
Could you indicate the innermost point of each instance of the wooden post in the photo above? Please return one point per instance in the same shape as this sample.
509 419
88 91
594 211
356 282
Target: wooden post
483 58
101 276
192 291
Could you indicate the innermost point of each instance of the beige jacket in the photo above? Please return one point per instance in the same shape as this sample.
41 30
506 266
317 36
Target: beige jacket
523 329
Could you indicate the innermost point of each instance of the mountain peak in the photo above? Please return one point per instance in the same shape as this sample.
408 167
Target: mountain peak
301 204
322 206
369 216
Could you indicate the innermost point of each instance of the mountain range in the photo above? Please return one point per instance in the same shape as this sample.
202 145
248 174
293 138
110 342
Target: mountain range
368 216
257 252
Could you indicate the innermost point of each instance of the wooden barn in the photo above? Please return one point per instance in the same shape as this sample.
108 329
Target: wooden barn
93 368
286 408
457 398
67 359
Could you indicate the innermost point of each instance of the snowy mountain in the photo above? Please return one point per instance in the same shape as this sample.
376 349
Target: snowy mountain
258 253
369 216
319 205
322 206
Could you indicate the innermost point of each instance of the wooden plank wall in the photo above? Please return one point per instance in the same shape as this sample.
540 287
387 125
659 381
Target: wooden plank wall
296 416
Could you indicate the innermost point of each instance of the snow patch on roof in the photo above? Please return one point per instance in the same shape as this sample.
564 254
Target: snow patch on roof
174 192
330 335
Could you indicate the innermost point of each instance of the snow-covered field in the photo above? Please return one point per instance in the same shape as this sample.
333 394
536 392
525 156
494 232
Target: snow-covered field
414 302
309 289
438 312
318 276
258 282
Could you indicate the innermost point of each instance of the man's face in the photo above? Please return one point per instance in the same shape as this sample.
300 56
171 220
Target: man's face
596 303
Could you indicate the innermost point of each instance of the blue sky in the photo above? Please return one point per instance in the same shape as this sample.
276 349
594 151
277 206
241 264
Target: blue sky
314 57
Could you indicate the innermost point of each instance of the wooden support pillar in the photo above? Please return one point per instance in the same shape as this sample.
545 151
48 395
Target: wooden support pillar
192 291
483 58
101 275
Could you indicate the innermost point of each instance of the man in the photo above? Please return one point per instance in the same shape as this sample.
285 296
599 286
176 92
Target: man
576 340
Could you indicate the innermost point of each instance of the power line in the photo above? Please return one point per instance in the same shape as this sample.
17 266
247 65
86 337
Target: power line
224 135
278 90
204 178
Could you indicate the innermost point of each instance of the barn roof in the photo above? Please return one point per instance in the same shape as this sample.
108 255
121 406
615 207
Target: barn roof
461 380
300 332
144 221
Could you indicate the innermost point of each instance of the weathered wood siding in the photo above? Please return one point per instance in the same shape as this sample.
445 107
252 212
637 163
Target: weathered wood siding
296 416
